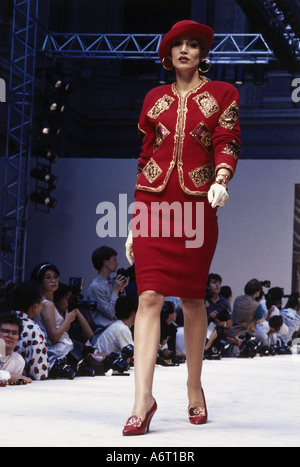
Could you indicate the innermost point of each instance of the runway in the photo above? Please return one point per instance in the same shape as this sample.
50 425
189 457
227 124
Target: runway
251 403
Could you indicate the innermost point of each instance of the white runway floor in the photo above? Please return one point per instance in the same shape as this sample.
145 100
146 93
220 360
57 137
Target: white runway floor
251 402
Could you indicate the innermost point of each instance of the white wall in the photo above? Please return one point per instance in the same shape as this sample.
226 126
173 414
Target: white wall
256 226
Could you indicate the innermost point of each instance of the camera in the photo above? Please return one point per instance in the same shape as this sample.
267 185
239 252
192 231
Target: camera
249 346
118 362
76 284
266 284
73 364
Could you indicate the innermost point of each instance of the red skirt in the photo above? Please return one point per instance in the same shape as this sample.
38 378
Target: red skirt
174 240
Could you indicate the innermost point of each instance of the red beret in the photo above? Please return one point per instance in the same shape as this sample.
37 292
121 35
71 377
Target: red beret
186 28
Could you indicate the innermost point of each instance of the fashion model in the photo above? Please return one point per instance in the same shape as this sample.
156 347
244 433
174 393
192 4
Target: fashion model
190 147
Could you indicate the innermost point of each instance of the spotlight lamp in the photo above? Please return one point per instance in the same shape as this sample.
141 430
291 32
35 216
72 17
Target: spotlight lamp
42 173
43 198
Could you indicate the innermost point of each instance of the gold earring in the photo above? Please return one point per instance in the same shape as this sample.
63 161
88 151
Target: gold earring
206 65
167 63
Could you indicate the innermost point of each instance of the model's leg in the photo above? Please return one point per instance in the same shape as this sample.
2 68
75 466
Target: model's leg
146 341
195 331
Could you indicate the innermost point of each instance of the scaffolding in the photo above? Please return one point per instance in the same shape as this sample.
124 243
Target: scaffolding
20 98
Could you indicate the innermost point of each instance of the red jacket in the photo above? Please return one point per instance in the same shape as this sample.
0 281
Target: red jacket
199 133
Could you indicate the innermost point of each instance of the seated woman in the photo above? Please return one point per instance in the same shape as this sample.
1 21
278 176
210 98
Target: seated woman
56 327
80 331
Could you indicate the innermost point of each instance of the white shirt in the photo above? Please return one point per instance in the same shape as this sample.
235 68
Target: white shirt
13 363
114 338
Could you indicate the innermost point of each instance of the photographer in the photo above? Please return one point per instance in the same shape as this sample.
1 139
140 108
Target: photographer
218 308
247 311
80 331
103 289
118 334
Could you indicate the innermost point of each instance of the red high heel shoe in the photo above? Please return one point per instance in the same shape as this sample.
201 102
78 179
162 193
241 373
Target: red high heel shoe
197 413
136 426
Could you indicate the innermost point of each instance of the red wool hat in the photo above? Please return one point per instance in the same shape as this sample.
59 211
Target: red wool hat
186 28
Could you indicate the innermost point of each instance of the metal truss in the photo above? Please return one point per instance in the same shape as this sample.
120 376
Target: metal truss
227 48
18 146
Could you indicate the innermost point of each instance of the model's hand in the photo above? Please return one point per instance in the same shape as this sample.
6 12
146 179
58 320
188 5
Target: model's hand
129 248
217 195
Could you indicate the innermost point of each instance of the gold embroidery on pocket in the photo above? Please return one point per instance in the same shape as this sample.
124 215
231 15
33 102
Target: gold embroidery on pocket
163 104
202 136
152 170
161 133
207 104
230 116
202 175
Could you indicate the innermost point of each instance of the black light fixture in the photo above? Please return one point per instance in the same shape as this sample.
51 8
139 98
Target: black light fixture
43 173
42 196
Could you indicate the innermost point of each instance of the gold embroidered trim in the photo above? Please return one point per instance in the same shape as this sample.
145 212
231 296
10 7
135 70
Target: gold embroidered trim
230 116
161 133
202 136
141 133
202 175
152 170
163 104
207 104
233 149
225 166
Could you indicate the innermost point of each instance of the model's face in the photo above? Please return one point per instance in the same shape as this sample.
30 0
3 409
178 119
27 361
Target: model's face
186 53
50 282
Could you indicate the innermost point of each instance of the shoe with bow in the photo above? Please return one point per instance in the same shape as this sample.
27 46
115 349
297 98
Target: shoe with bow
136 425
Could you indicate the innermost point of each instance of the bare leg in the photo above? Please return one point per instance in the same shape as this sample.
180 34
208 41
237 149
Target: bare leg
195 330
146 341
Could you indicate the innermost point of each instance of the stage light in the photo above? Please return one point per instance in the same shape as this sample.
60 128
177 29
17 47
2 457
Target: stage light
42 173
43 198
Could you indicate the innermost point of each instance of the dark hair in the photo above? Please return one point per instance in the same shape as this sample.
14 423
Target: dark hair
253 286
40 270
125 306
226 291
101 254
61 292
27 294
215 277
276 322
11 318
167 309
274 297
165 330
293 302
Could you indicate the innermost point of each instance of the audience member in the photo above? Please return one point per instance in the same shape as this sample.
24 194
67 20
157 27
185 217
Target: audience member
80 331
291 319
52 323
226 292
105 290
168 314
118 334
218 310
272 305
267 331
247 311
12 365
32 346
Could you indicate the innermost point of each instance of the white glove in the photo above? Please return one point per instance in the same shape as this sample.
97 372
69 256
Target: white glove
217 195
129 247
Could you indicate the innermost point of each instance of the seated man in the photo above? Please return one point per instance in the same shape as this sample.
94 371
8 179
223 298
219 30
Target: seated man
32 346
118 334
12 364
267 331
103 289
